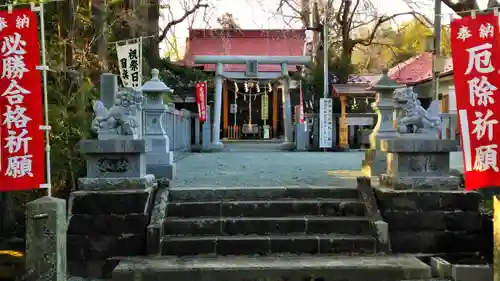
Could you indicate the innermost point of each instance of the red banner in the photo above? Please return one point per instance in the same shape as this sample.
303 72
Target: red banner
22 163
476 64
201 100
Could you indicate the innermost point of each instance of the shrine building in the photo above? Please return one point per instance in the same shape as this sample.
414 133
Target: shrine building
244 97
254 99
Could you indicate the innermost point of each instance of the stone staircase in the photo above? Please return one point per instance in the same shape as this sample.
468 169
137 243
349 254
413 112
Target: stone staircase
268 234
266 221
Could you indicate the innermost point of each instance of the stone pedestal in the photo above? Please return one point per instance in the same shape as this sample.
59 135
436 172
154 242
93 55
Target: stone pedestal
115 164
301 137
375 159
216 143
418 164
160 160
46 239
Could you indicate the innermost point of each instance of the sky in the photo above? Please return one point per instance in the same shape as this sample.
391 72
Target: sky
261 14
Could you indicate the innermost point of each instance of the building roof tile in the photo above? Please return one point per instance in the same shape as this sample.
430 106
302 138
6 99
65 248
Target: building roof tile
243 42
417 69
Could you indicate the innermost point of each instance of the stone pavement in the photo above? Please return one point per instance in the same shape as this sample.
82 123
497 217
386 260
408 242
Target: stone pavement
262 164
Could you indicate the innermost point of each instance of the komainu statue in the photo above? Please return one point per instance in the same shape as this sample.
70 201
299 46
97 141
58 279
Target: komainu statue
412 117
121 118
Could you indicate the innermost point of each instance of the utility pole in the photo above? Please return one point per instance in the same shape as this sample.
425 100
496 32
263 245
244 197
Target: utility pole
325 51
436 59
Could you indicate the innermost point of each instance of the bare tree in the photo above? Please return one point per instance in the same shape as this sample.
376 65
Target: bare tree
173 18
344 18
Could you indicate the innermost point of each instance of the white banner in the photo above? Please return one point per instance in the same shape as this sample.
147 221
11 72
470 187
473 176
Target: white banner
130 63
325 123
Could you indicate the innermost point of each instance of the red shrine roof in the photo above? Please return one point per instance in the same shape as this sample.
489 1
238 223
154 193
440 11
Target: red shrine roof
417 69
243 42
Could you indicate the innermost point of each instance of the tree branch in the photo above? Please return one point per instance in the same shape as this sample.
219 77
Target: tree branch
349 24
368 40
187 13
461 6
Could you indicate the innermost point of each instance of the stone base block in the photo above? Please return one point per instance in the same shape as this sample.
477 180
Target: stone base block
412 144
420 182
291 268
107 224
104 224
146 182
92 269
426 200
102 247
161 170
287 146
375 163
212 148
120 202
113 146
431 221
433 242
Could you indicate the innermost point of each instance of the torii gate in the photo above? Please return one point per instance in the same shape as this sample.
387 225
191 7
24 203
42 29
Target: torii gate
252 66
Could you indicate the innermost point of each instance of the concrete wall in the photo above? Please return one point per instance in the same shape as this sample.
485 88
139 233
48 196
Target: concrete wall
425 90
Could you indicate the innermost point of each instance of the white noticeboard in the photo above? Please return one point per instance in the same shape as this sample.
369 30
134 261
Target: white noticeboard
233 108
325 123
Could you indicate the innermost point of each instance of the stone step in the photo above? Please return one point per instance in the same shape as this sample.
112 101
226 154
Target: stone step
198 194
327 207
262 226
290 268
266 245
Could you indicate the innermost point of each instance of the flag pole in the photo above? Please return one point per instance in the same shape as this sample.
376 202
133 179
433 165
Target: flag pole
44 68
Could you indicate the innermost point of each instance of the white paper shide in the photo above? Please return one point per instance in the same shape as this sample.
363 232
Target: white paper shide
16 118
325 123
130 64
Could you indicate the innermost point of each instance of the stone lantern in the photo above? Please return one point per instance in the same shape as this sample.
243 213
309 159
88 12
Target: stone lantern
160 160
375 160
154 89
384 107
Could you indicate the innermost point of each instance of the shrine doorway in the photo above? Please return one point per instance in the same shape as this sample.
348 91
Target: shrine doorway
252 110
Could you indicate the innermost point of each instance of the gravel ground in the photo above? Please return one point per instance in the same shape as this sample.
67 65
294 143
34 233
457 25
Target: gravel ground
263 165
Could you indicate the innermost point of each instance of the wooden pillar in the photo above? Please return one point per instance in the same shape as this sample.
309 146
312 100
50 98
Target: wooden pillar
275 112
344 132
225 107
445 99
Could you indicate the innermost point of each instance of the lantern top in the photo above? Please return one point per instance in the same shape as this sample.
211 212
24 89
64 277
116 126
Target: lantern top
385 83
155 85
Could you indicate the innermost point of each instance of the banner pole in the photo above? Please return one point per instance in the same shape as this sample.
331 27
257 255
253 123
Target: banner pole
44 69
496 241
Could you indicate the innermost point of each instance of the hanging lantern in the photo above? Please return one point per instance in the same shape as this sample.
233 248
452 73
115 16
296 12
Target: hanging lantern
246 87
257 87
236 87
269 87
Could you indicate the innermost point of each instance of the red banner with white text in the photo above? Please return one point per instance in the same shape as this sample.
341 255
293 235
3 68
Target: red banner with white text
476 63
22 163
201 100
